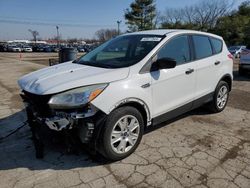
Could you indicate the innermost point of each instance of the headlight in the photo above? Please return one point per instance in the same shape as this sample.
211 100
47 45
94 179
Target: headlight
76 97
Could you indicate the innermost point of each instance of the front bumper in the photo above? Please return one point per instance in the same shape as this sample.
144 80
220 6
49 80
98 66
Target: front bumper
83 120
61 120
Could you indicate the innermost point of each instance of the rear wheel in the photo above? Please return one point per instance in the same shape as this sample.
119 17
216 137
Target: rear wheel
220 98
122 133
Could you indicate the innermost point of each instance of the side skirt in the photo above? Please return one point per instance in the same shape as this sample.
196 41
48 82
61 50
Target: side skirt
183 109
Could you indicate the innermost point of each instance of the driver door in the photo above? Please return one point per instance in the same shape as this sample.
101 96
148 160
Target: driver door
174 88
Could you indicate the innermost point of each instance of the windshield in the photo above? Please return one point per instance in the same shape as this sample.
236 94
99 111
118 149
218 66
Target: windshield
122 51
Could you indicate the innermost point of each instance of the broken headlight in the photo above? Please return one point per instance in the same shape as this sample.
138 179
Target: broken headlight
76 98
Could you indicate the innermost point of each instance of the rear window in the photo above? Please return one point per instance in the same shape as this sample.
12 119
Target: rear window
202 46
217 44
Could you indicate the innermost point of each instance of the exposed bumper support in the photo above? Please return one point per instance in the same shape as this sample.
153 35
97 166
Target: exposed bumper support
57 124
63 120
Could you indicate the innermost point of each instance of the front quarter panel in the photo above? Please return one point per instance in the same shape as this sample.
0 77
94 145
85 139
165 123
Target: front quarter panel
120 91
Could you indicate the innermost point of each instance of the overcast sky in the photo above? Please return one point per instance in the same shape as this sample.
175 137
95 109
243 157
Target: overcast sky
76 18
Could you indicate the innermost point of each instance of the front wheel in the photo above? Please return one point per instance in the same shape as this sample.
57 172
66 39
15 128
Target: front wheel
220 98
122 133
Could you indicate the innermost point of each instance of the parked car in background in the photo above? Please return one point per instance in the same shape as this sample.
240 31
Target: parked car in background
111 95
92 47
244 65
81 49
3 48
37 48
13 48
236 50
54 48
27 49
47 49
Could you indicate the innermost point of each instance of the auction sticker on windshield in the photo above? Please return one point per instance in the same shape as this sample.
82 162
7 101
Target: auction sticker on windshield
153 39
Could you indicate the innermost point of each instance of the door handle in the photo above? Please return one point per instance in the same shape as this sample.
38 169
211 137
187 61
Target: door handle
217 63
189 71
145 85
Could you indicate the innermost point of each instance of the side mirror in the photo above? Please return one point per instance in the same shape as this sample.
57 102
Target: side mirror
163 63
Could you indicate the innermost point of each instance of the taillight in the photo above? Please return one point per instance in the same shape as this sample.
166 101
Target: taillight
230 56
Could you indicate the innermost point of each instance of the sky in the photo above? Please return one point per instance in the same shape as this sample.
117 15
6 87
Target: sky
75 18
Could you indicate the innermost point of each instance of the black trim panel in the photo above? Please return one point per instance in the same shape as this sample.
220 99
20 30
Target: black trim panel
203 100
183 109
172 114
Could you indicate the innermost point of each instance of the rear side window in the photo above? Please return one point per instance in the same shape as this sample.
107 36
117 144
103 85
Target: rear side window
177 49
217 44
202 46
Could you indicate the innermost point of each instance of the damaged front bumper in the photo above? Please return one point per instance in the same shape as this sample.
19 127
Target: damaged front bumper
64 120
84 119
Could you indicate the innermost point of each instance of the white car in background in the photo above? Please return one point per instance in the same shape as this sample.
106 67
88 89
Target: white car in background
236 50
244 65
14 49
109 96
26 49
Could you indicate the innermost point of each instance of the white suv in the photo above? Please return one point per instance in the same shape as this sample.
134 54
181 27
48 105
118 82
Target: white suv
109 96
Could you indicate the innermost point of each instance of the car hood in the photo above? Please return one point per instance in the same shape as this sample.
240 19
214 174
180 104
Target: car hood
67 76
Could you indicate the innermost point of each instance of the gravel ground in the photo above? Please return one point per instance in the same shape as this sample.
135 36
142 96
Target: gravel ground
198 149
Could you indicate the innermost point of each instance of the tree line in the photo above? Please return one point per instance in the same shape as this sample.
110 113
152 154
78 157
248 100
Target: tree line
215 16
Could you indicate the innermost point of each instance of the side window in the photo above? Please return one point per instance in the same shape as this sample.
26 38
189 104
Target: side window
177 49
202 46
217 44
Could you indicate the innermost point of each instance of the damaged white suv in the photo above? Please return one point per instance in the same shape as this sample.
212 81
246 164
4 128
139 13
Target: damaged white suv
110 95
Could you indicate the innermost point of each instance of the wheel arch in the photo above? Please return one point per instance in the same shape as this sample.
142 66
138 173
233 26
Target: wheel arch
140 105
227 78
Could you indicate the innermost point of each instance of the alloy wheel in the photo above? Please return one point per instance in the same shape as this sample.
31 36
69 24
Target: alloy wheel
125 134
222 97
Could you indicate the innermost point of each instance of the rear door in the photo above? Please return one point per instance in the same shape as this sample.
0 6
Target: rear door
207 65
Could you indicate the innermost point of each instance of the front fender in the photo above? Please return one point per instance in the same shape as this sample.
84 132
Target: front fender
126 91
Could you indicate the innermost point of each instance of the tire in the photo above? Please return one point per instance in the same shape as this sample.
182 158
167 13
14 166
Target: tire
122 136
221 89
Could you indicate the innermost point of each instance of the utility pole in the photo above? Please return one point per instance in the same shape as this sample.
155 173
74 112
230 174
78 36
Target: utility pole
57 29
118 23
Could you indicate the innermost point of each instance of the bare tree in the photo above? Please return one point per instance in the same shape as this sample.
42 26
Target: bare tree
208 12
34 34
188 14
204 14
157 19
172 15
106 34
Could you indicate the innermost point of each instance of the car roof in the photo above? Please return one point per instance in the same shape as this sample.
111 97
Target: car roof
168 31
